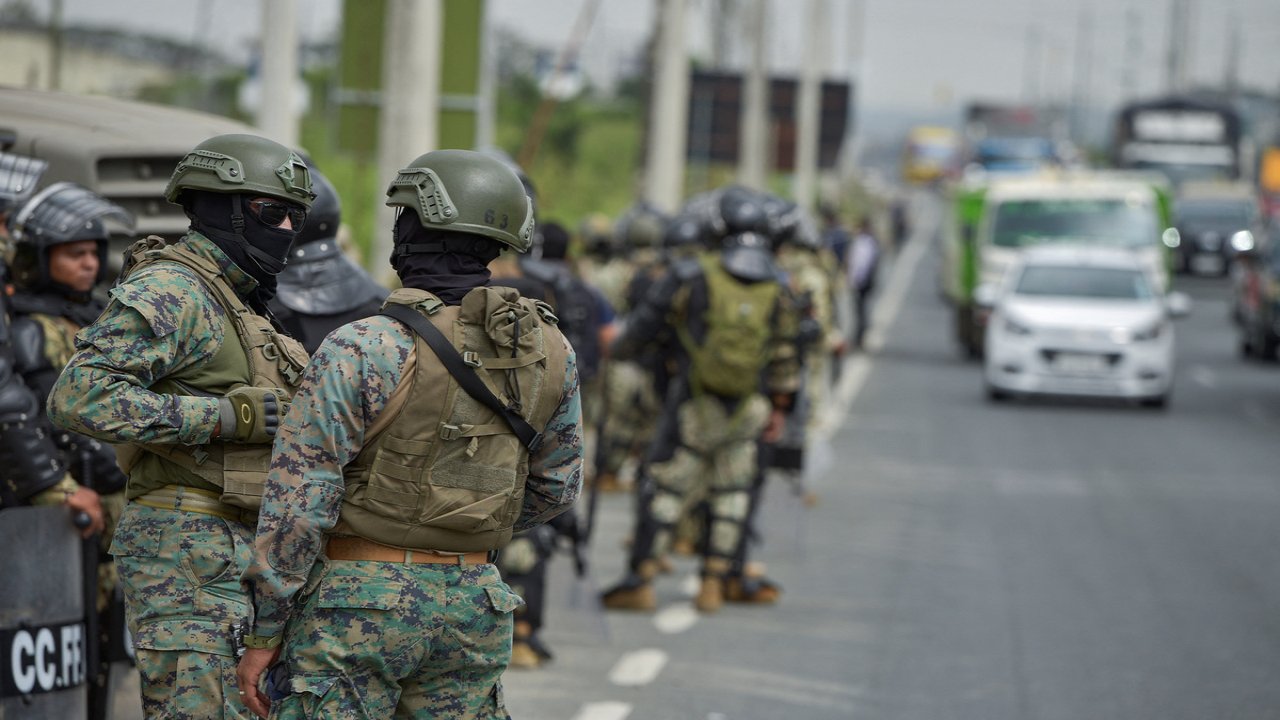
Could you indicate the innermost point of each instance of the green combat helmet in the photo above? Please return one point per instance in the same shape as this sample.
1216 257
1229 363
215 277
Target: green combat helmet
468 192
248 164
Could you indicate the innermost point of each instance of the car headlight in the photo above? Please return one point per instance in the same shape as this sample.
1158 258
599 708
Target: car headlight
1148 333
1013 327
1242 241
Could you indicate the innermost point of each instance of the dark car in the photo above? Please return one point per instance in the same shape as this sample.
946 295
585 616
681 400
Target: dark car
1214 226
1256 296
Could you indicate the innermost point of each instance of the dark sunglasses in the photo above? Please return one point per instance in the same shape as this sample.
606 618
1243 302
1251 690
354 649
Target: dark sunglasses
273 213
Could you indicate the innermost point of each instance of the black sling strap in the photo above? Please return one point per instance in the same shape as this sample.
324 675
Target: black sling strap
463 373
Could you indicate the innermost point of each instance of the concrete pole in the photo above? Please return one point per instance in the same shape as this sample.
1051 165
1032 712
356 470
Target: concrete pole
753 149
668 111
408 125
277 115
487 91
809 102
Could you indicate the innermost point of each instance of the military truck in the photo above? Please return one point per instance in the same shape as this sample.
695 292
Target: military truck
120 149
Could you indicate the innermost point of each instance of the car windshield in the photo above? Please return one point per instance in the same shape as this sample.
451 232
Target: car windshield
1083 282
1105 222
1219 215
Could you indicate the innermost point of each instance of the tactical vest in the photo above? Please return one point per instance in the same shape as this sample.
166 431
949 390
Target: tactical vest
441 471
261 358
739 328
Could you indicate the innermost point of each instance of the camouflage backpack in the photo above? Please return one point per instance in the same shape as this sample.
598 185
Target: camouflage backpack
738 319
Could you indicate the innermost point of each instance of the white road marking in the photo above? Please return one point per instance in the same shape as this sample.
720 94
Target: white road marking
638 667
604 711
675 618
1203 375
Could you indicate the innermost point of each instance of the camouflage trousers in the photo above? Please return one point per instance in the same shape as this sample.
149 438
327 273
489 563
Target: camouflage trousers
181 577
381 640
633 407
714 460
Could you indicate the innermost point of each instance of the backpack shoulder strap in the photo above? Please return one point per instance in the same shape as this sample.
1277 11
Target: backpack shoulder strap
461 372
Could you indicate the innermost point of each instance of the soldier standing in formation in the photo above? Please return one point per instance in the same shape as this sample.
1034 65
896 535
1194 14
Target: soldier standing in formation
186 375
736 374
396 477
321 288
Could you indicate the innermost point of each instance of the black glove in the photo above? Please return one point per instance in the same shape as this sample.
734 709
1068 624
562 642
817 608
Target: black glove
252 414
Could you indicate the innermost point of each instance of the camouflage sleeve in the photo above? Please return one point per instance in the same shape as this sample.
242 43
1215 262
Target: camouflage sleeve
782 374
555 470
345 387
157 324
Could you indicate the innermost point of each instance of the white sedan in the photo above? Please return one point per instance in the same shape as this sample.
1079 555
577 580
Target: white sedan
1077 321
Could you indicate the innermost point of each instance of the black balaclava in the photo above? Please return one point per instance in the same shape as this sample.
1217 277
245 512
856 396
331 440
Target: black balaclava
449 274
258 249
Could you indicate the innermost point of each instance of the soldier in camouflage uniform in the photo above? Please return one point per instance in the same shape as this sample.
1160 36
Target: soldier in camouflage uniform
186 375
633 401
391 486
736 374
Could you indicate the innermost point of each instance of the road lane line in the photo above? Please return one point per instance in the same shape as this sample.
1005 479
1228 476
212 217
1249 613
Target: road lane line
604 711
675 618
639 667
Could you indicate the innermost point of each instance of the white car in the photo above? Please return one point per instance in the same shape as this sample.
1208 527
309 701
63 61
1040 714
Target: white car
1081 321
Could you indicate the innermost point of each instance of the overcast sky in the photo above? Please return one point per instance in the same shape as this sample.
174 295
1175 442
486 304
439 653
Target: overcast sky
914 54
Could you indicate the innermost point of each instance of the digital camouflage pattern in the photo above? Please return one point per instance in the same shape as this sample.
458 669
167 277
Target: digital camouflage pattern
634 408
344 389
161 321
377 640
715 461
181 576
59 346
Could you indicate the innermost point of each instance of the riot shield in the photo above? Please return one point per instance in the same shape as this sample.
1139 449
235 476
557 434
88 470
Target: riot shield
43 639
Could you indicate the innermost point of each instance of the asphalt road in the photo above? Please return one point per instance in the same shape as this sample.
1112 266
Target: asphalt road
1029 561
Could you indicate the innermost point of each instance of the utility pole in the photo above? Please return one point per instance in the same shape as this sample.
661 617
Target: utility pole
1132 53
668 110
1235 43
855 25
408 124
55 46
487 84
277 116
753 148
1031 66
1083 89
809 99
1176 59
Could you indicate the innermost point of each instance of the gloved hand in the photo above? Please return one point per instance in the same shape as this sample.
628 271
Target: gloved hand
252 414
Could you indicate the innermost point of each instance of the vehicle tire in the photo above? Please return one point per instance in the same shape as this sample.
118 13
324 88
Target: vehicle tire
1266 347
1158 402
996 395
1246 346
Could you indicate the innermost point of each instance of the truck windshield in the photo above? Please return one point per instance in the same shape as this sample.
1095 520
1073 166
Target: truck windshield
1211 215
1111 223
1083 282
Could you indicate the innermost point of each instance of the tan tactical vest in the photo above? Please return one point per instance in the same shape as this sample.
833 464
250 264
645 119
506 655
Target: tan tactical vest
261 358
444 472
